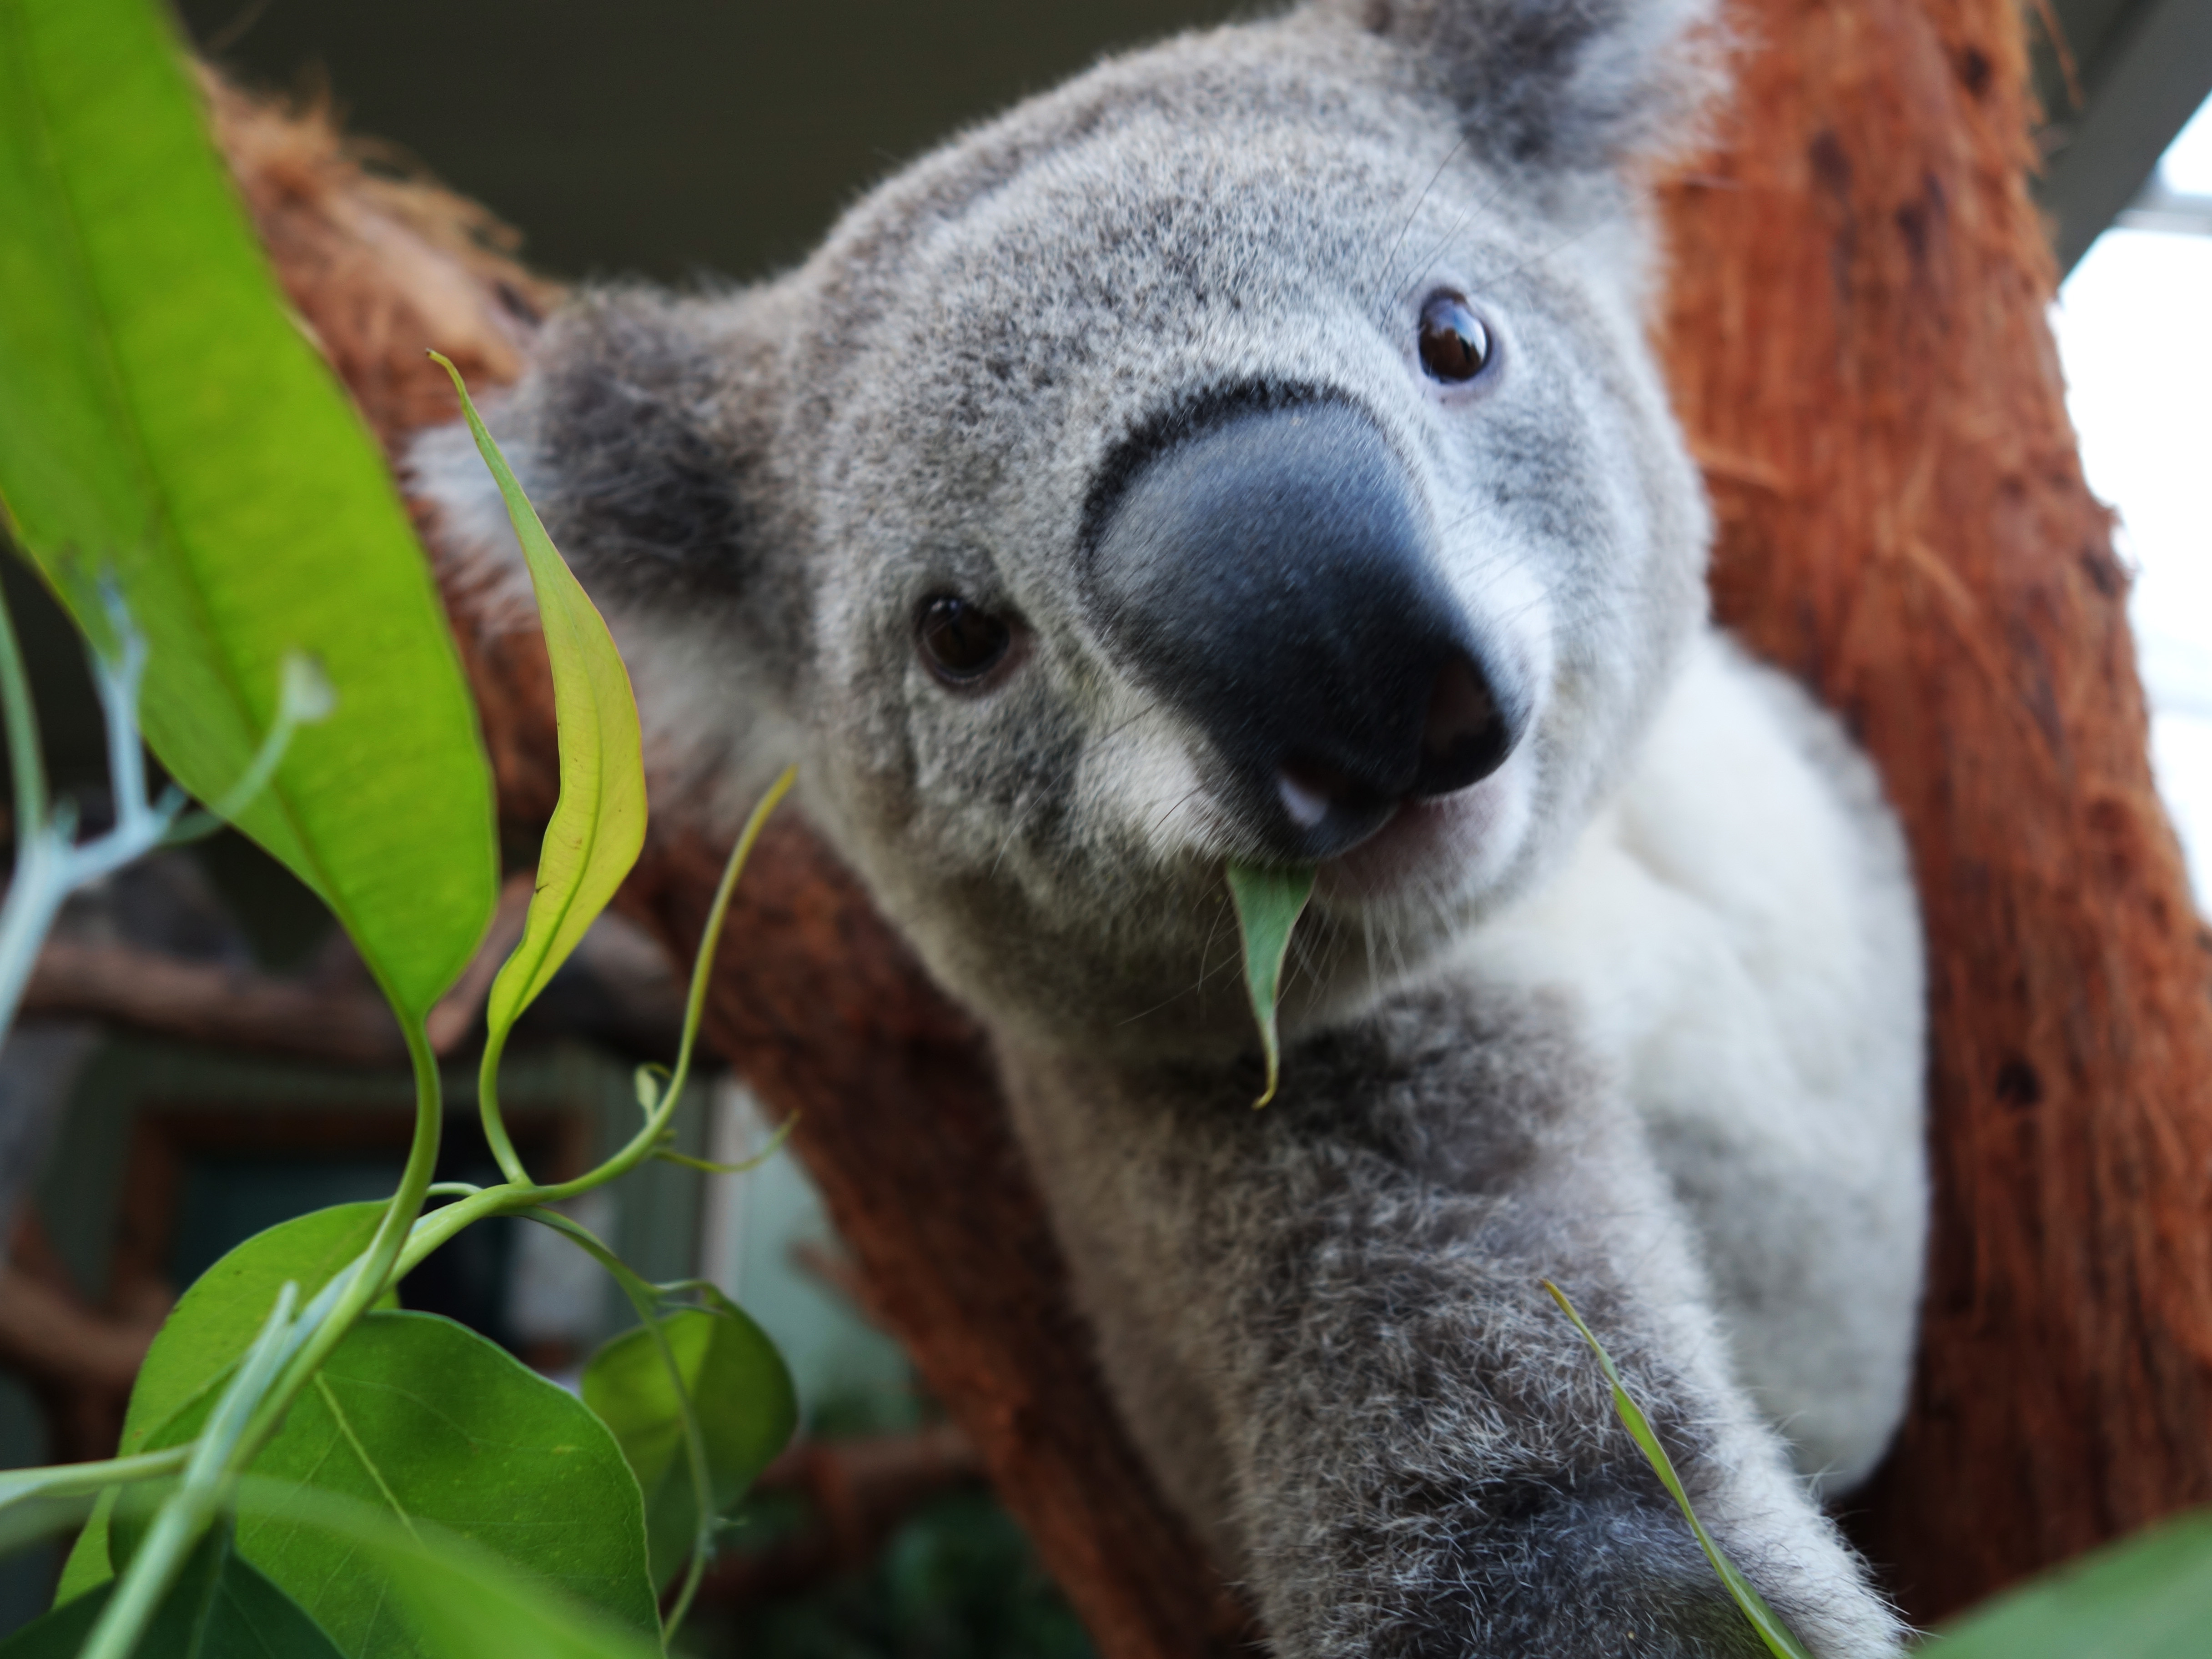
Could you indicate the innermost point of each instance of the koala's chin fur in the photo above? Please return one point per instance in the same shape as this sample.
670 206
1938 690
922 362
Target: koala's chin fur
1612 971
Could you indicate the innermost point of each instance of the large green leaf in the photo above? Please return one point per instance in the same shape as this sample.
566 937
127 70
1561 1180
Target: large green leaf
464 1607
220 1607
598 823
2146 1597
458 1601
741 1393
164 420
212 1324
87 1566
1269 904
217 1318
421 1419
461 1603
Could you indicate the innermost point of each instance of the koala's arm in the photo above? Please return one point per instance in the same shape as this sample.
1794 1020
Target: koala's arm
1326 1324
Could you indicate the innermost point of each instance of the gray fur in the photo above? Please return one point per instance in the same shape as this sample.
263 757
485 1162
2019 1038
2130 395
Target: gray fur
1323 1321
1415 1453
1560 85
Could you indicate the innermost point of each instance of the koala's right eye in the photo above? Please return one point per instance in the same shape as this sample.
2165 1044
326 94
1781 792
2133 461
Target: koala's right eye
1456 345
961 642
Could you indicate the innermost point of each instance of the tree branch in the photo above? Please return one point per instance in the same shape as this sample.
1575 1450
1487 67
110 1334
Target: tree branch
236 1007
213 1003
1856 341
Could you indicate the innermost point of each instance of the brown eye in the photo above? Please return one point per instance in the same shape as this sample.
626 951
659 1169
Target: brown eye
1454 344
962 642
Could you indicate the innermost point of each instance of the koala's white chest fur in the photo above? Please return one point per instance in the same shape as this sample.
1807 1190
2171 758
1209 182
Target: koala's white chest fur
1739 934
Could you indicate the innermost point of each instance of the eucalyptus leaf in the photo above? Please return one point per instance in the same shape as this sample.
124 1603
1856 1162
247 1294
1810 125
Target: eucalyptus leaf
2145 1597
1269 904
210 1326
220 1607
86 1566
462 1609
598 822
1779 1640
165 426
421 1419
741 1392
458 1601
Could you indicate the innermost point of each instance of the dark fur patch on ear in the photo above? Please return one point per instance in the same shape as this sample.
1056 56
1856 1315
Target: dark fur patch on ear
650 485
1570 83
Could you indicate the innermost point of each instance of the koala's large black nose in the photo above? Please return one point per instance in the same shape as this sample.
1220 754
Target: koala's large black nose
1271 574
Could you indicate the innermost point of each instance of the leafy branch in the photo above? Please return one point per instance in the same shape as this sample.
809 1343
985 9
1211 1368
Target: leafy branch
293 1344
264 614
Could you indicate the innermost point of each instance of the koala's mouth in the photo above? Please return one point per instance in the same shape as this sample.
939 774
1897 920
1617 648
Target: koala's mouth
1430 848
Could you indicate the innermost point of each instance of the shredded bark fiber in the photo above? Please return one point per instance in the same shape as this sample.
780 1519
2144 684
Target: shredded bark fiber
1855 331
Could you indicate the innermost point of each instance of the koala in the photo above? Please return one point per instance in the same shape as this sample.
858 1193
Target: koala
1251 451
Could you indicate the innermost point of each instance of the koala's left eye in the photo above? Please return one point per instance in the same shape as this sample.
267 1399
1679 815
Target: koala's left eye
961 642
1455 345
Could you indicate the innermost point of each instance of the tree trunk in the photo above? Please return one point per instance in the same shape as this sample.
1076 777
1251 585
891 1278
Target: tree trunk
1857 340
1855 334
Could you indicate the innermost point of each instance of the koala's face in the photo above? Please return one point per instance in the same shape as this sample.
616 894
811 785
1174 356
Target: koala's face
1223 458
1221 463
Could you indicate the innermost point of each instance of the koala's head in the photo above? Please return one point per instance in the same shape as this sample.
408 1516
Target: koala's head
1248 450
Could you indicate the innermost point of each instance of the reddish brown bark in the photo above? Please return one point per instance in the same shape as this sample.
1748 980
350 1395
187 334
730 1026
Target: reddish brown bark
1856 338
1855 334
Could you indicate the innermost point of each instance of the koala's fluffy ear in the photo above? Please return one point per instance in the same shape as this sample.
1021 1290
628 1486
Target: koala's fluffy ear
639 434
1561 83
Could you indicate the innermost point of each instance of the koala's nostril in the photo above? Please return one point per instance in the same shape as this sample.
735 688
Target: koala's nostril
1304 797
1465 737
1310 790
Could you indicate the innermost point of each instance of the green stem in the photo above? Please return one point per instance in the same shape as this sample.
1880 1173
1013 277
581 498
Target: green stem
494 1126
1781 1641
24 759
702 964
442 1223
74 1479
644 1143
645 1299
186 1513
365 1280
520 1193
404 1237
746 1166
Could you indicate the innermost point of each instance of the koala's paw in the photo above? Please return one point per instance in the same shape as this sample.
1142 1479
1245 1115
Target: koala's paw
1575 1577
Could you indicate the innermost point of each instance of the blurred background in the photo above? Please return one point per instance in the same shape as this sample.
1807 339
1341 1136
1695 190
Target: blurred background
211 1060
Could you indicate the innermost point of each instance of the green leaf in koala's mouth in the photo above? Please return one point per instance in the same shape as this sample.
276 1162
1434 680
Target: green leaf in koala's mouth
1269 904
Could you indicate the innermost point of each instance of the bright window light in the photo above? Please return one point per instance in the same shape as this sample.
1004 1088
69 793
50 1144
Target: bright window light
2134 323
2187 164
